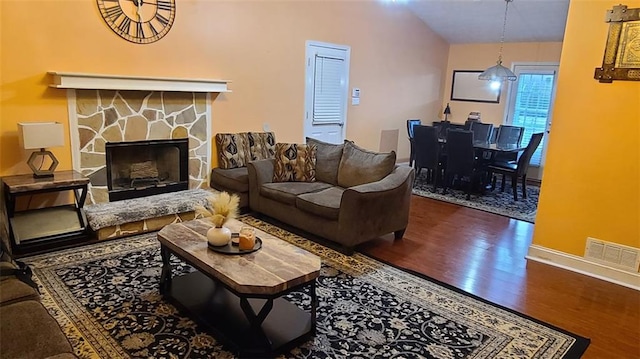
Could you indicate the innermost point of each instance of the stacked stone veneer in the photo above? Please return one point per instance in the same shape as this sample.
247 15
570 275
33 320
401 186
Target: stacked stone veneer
115 116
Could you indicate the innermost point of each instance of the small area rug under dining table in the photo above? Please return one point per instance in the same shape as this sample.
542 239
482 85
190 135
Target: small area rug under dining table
105 297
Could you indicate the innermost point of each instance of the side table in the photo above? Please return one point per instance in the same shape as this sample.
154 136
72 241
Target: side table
35 230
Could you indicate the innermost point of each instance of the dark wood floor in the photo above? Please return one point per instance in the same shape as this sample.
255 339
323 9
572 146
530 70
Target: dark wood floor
483 254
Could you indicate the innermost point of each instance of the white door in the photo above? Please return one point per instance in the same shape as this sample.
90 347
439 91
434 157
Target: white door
326 91
531 105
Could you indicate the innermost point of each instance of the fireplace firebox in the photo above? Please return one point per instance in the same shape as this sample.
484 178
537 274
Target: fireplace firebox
144 168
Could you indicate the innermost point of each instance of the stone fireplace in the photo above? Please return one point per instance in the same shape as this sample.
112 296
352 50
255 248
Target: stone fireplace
144 168
105 110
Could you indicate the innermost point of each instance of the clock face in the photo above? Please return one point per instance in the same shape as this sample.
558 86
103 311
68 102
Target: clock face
139 21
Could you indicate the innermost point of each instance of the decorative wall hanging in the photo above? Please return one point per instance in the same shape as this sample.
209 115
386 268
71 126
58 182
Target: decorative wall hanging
622 52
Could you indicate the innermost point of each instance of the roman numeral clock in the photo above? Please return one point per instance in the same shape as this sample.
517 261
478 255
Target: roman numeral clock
139 21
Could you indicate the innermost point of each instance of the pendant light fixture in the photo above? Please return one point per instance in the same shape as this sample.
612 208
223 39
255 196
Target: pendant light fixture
498 73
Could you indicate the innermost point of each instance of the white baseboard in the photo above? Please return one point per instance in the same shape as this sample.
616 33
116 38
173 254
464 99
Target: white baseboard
582 266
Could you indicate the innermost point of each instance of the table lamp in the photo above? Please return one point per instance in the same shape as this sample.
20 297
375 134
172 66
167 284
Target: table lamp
447 112
40 135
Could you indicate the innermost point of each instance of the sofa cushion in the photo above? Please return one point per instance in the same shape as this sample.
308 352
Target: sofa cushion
294 163
232 149
359 166
286 192
328 157
325 203
236 179
262 145
28 331
14 290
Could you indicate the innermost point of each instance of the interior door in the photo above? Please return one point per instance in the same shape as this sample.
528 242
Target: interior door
326 91
531 106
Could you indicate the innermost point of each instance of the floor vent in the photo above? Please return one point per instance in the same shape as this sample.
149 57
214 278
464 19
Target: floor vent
613 254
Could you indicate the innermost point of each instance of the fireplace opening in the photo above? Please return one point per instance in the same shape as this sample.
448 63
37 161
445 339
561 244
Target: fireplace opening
144 168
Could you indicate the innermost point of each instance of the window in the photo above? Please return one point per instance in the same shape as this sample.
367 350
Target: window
530 105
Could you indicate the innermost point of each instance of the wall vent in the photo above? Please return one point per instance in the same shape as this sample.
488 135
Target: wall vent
613 254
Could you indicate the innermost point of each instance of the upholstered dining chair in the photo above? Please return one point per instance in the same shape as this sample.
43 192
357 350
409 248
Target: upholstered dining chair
410 125
481 131
427 153
516 170
461 159
509 135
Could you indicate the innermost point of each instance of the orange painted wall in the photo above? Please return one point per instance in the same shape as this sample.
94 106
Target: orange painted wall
591 183
397 62
479 57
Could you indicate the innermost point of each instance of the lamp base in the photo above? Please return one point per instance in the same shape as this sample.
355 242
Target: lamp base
37 171
49 175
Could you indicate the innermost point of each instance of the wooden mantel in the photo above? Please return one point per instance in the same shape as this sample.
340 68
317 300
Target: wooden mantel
71 80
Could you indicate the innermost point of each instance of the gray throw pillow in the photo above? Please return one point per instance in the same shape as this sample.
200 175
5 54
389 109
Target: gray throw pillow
359 166
328 157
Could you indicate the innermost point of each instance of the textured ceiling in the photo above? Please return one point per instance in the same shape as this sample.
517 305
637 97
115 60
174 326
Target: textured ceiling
480 21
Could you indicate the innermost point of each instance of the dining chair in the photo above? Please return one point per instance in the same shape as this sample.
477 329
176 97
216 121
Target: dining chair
411 123
509 136
481 131
442 128
516 170
468 123
461 159
427 153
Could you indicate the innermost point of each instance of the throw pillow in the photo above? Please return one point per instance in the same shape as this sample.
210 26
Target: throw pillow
261 145
328 158
294 163
232 150
359 166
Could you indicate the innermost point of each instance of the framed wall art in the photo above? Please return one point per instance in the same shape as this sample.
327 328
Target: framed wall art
622 51
466 86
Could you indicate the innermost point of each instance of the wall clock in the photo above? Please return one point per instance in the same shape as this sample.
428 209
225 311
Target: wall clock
139 21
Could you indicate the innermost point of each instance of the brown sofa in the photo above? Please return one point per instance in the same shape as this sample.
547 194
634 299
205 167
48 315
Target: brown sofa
27 330
358 195
235 151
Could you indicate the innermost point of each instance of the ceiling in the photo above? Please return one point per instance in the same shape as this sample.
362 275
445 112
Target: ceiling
480 21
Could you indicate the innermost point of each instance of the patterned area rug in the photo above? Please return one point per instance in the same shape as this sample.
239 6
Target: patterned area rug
497 202
105 297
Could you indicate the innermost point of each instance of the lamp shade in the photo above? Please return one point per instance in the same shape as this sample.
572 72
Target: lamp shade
36 135
497 73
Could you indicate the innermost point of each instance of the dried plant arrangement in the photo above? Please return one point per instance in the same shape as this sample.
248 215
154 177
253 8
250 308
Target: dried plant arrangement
219 209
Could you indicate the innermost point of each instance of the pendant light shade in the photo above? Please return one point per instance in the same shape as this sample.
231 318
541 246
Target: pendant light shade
499 73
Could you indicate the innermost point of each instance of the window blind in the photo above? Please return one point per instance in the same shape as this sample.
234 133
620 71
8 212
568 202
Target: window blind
532 108
328 82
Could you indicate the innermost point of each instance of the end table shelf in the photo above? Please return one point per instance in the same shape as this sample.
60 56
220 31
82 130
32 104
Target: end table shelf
44 228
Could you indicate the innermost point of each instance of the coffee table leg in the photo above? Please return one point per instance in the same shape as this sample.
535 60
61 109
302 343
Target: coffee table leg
314 306
165 276
256 320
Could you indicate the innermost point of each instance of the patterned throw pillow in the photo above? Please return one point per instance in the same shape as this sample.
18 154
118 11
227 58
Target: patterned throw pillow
262 145
294 163
232 150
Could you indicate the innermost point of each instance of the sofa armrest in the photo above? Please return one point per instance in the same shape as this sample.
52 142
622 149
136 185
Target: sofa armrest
393 180
260 172
373 209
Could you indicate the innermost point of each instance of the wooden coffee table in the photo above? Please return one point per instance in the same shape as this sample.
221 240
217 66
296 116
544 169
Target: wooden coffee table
240 296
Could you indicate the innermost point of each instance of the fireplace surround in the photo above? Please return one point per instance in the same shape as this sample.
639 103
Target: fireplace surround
107 108
147 167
